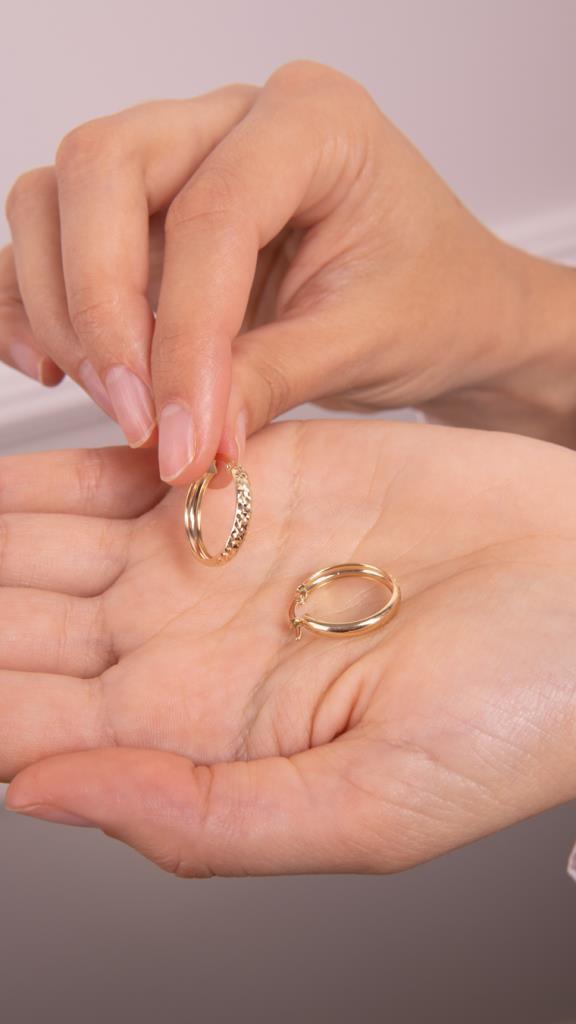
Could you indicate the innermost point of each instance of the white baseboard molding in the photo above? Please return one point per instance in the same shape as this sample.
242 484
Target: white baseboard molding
32 417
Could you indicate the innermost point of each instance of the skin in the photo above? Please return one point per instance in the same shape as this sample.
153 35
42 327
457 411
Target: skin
295 246
228 747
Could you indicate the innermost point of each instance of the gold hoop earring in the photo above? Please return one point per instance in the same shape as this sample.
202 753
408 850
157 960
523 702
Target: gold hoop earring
193 514
301 620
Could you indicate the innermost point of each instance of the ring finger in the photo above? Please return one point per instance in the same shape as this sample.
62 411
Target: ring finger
49 632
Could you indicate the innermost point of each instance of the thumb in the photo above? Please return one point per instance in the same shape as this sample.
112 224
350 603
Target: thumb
269 816
276 367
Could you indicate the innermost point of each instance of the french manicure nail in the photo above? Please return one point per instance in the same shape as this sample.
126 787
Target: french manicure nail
132 402
176 441
93 385
46 813
26 359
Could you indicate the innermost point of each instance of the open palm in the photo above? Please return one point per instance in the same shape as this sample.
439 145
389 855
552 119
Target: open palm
231 747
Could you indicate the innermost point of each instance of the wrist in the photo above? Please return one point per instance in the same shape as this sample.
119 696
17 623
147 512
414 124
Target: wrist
546 325
545 343
522 351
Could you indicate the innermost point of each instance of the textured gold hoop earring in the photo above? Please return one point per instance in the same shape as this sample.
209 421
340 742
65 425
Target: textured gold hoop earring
302 620
193 514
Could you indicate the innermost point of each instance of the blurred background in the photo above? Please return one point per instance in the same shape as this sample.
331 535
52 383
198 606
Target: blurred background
91 932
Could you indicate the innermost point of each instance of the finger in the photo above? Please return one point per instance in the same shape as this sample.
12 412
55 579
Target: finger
18 346
50 632
271 168
280 365
109 482
275 368
43 714
77 555
32 210
270 816
33 214
112 174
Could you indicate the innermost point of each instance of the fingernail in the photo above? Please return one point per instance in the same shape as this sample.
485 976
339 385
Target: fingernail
571 868
46 813
240 433
26 359
133 405
176 441
93 385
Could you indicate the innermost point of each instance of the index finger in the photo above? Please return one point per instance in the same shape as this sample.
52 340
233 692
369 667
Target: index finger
112 174
282 163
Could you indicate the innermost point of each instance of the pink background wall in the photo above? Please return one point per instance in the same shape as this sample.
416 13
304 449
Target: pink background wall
486 89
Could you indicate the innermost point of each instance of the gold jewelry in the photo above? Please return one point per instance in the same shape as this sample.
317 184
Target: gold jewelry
192 514
336 572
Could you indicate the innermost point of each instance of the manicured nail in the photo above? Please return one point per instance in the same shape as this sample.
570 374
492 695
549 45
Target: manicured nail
571 868
26 359
240 433
133 405
93 385
176 442
46 813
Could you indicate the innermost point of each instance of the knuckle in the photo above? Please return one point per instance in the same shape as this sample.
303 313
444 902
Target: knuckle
88 472
214 193
276 388
92 313
77 145
313 83
171 345
295 73
25 190
99 647
53 335
87 144
83 619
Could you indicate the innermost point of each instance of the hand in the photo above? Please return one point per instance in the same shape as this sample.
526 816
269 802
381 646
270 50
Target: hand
301 248
232 748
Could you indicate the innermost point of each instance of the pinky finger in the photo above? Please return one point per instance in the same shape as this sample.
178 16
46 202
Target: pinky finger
18 347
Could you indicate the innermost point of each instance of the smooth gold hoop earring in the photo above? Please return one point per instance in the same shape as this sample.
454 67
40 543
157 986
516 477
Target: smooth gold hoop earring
300 620
193 514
